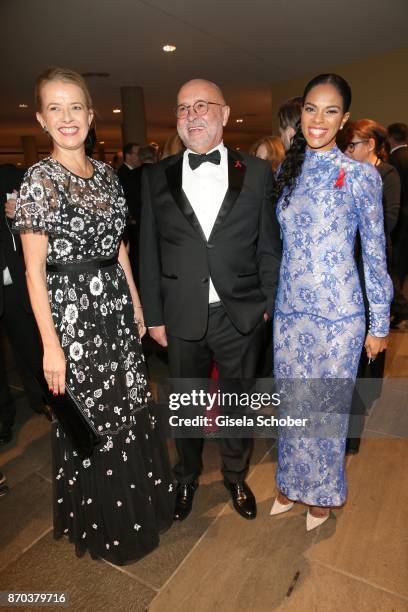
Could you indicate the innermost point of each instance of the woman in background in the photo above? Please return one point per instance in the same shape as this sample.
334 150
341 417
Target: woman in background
289 117
271 149
172 146
365 141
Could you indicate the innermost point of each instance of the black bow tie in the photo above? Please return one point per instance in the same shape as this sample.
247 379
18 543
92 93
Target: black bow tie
196 159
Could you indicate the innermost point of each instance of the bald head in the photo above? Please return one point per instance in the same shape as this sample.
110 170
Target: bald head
201 128
199 84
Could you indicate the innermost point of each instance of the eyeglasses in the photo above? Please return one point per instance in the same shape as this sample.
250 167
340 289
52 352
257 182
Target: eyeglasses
200 108
352 145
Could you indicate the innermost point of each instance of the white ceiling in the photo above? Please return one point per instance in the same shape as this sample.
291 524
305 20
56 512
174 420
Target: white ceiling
242 45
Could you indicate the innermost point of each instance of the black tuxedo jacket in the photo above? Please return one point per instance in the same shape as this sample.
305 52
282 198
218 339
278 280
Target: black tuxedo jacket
399 159
131 183
242 254
11 256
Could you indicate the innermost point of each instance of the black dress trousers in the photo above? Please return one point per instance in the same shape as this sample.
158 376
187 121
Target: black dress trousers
20 327
236 356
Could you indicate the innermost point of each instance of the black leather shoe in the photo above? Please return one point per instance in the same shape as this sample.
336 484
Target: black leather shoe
352 446
184 500
5 435
242 498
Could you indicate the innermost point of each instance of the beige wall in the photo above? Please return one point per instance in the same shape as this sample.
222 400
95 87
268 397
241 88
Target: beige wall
379 85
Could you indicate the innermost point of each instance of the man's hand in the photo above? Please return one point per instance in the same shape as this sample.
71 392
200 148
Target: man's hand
159 334
10 208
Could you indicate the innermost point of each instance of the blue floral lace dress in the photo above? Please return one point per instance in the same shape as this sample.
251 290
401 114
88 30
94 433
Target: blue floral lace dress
115 503
319 322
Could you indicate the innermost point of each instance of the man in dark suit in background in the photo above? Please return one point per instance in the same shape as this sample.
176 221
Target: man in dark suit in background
129 175
16 317
398 143
210 256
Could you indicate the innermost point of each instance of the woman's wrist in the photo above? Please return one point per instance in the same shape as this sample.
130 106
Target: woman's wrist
52 344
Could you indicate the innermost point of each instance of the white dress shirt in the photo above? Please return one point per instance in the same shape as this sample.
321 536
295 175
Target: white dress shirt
205 188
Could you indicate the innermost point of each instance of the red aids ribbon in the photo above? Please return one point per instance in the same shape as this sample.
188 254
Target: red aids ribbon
340 179
238 164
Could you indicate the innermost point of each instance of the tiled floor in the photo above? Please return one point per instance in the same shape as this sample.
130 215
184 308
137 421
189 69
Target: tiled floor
215 560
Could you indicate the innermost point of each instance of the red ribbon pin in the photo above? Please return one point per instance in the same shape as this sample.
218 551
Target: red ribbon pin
238 164
340 179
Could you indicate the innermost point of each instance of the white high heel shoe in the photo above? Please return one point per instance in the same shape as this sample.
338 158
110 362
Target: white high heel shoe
279 508
315 521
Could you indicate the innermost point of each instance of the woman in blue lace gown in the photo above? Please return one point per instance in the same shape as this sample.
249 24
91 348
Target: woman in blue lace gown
323 199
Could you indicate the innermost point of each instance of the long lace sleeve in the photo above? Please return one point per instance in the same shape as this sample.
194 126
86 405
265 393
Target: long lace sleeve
367 192
37 207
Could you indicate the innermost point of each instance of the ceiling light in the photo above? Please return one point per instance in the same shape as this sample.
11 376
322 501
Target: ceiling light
23 106
239 120
101 142
116 111
169 48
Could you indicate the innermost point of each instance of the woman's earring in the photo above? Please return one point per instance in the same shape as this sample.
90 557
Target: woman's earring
44 127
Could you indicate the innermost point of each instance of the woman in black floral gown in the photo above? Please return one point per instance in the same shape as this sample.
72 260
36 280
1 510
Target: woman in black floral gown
71 213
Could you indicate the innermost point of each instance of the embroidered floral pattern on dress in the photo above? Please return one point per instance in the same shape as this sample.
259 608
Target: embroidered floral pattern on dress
319 323
94 318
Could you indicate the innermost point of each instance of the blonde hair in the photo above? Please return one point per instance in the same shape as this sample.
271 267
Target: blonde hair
61 74
274 148
172 146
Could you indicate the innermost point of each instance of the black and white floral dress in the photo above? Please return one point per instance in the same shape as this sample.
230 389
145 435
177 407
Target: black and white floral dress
115 503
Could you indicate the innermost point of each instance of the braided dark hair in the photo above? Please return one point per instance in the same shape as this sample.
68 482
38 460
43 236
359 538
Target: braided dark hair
293 162
291 167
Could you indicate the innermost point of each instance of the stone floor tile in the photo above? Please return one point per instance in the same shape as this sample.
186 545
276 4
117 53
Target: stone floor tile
91 586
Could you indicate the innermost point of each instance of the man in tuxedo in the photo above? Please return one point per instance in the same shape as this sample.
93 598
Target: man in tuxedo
398 143
210 256
16 317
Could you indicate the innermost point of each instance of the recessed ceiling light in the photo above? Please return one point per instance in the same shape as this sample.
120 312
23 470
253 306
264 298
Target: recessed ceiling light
23 106
239 120
18 163
169 48
116 111
101 142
